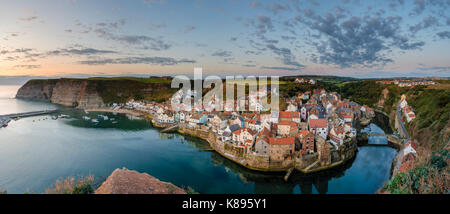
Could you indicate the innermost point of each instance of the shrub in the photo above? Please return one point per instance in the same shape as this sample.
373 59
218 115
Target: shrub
396 184
84 185
3 191
83 189
426 179
190 190
438 162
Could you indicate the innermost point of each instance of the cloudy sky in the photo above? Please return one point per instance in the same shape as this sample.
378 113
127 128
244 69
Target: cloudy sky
355 38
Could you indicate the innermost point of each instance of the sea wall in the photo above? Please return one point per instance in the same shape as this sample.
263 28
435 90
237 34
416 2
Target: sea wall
241 156
237 154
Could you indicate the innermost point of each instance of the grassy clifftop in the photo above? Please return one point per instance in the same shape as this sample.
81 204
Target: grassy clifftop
114 89
123 88
41 81
431 130
137 79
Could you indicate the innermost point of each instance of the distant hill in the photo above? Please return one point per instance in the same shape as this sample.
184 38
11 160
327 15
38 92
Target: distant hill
320 77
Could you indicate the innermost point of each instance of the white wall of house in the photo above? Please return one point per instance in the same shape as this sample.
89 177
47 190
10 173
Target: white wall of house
321 131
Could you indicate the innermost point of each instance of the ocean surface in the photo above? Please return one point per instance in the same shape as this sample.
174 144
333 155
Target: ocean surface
36 151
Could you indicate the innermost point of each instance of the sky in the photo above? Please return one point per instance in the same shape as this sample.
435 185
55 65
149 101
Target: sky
356 38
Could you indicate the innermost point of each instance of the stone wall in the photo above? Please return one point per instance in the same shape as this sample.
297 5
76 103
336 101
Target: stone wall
304 161
263 163
238 154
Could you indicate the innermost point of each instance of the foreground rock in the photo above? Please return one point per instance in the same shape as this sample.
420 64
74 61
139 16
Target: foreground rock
124 181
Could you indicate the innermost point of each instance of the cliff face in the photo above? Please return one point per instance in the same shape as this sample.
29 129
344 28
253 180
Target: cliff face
77 93
41 90
68 92
94 93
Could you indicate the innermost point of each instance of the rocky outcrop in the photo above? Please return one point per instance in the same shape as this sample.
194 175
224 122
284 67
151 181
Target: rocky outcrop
69 92
94 92
383 99
41 90
124 181
77 93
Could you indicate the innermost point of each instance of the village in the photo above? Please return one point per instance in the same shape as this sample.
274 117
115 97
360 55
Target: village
315 131
408 82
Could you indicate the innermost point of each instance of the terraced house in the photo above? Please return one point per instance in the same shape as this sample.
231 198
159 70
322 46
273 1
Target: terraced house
281 148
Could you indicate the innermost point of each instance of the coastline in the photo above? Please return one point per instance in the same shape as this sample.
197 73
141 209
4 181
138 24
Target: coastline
119 111
242 156
244 162
249 166
149 116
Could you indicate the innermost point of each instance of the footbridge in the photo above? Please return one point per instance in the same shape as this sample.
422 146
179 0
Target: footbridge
393 139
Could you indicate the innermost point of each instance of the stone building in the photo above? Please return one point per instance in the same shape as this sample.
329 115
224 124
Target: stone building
323 148
281 148
262 146
304 142
287 128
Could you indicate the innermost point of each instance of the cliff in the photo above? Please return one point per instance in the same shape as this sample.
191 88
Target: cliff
69 92
95 92
124 181
428 171
41 90
430 130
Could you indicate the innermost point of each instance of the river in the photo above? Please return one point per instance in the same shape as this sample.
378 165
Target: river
36 151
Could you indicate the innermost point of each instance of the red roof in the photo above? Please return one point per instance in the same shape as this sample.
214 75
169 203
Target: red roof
412 143
265 139
302 133
317 123
265 132
287 114
287 123
339 129
282 141
238 132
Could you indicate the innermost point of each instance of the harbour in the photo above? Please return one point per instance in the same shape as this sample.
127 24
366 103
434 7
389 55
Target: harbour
50 149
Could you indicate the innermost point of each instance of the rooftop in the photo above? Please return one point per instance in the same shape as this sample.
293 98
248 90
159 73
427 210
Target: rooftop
281 141
317 123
